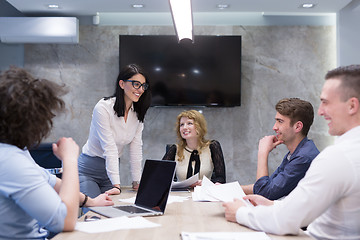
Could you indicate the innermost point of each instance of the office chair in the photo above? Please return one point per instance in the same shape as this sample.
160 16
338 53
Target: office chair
44 157
168 147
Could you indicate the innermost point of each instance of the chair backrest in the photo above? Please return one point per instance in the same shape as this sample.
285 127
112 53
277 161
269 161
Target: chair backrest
44 157
168 147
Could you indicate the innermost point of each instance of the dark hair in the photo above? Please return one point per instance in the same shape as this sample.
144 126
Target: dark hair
350 80
297 110
144 102
27 107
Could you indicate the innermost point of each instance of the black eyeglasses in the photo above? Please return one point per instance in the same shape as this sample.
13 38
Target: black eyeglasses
137 84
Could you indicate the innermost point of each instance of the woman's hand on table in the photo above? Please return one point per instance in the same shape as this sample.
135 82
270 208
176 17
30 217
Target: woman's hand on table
100 200
116 190
197 183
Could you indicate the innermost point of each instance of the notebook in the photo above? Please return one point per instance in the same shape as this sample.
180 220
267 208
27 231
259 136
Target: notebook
152 195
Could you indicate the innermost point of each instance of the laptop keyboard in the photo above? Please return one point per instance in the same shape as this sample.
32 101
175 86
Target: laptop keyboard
132 209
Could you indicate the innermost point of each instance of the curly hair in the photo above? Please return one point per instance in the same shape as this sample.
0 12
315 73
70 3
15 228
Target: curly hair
27 107
297 110
201 129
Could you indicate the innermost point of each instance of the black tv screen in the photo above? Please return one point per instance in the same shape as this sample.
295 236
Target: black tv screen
206 72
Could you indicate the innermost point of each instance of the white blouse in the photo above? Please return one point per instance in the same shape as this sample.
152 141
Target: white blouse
108 136
206 168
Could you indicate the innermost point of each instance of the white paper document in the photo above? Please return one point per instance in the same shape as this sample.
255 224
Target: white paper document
113 224
200 194
208 191
186 183
171 199
224 236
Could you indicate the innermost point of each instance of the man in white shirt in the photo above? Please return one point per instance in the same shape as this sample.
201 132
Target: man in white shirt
327 199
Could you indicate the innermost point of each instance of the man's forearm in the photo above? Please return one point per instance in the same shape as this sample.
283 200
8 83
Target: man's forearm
69 192
262 167
248 189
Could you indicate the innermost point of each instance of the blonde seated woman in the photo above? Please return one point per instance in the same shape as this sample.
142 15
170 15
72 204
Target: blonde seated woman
193 153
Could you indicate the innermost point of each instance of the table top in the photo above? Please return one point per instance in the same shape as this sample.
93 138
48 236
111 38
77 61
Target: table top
187 216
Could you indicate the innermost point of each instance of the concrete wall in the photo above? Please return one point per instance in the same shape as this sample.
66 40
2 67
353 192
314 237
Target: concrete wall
348 34
277 62
10 54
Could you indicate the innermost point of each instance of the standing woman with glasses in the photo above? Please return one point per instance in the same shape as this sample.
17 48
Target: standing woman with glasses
117 121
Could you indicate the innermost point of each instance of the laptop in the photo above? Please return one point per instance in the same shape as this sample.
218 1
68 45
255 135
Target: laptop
152 195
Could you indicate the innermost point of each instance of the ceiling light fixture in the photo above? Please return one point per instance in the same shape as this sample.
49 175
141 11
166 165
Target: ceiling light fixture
307 5
53 6
222 6
137 5
182 17
96 19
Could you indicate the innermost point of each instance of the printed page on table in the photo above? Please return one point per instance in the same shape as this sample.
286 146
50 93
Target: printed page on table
224 235
222 192
186 183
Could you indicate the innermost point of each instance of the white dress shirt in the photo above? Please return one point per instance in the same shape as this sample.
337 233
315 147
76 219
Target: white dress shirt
327 198
108 136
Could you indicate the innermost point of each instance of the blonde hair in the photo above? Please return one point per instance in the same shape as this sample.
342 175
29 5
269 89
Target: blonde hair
200 127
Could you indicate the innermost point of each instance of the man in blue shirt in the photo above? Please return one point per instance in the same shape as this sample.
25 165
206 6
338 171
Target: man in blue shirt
292 124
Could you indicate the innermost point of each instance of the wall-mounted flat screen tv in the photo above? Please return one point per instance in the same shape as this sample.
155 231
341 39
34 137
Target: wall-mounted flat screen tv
206 72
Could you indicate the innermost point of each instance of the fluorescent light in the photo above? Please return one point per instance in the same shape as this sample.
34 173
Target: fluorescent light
307 5
137 5
53 6
222 6
182 17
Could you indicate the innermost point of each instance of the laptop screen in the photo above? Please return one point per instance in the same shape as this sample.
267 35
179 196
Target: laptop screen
155 184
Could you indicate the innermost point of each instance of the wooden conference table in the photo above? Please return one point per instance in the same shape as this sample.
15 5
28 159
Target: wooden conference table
185 216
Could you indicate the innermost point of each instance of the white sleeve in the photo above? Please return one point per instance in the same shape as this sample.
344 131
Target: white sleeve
318 190
136 154
102 129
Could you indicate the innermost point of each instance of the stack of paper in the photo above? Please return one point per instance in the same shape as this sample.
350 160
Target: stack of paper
113 224
209 191
224 235
186 183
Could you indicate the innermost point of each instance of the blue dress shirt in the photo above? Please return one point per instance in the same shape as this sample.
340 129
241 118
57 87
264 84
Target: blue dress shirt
289 173
30 207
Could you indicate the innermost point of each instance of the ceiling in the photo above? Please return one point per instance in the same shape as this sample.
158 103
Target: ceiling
91 7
